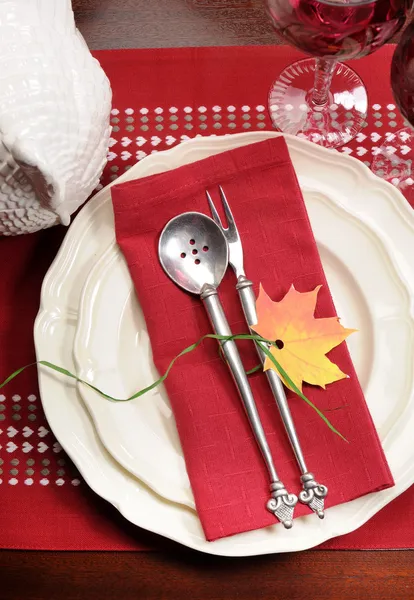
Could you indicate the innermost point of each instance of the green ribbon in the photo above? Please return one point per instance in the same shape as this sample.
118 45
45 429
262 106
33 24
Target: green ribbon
263 343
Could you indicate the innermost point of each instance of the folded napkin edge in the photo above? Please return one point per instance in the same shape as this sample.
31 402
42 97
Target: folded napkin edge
242 161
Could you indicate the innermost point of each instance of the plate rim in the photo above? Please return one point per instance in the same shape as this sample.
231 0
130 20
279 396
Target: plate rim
398 202
88 294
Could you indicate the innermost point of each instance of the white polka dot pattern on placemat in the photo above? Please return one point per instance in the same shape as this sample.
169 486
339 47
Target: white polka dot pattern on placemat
30 455
139 131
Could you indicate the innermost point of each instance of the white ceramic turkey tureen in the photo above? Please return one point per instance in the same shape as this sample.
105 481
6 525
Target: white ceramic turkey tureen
55 103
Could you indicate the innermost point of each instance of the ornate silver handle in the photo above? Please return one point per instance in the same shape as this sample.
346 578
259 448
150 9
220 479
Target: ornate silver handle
281 504
313 494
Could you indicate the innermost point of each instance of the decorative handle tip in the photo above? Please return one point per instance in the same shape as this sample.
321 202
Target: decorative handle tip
282 504
313 494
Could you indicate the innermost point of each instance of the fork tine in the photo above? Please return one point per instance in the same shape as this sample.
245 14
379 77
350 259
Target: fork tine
214 212
231 224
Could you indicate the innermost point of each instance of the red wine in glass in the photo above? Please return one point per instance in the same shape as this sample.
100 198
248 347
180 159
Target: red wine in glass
390 164
402 74
324 100
339 29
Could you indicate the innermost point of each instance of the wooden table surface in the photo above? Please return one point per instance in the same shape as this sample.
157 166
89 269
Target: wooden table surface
123 575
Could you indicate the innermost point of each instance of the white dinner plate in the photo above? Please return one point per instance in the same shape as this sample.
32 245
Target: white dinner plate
376 205
112 348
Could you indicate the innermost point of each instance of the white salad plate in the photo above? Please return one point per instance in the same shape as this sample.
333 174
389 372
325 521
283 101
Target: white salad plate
112 348
365 232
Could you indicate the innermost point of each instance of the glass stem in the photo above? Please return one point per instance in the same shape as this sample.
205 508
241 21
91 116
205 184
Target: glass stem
323 77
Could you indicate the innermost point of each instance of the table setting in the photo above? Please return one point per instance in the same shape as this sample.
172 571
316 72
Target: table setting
207 322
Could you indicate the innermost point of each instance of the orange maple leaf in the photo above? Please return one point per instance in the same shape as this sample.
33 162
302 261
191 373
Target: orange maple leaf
301 340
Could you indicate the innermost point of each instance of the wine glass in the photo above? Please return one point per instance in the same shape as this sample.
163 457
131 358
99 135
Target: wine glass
402 74
387 163
320 98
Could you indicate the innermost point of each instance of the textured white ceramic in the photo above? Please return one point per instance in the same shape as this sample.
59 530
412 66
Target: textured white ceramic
112 341
55 103
373 204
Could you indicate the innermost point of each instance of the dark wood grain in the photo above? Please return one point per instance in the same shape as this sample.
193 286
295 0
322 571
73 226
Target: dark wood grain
166 23
178 575
315 575
169 23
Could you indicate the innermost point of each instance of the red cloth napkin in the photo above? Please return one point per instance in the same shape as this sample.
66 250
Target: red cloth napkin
227 474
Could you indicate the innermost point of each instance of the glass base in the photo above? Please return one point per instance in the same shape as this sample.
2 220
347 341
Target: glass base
390 162
331 125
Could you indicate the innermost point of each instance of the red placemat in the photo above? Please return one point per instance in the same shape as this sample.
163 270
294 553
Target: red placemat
160 98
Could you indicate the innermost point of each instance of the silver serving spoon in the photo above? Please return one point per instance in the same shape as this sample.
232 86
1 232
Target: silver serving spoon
194 253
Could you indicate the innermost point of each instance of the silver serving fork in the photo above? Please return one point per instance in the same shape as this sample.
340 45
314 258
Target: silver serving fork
313 494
